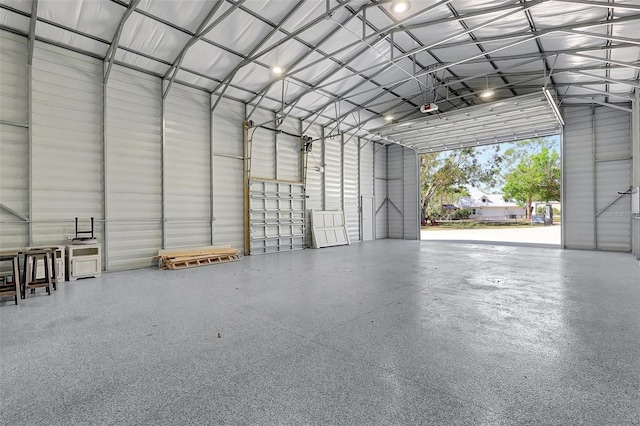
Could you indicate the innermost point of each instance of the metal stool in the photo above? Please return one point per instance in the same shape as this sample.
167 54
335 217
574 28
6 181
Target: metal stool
31 283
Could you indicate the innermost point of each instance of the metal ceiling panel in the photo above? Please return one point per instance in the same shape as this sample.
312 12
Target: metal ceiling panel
317 33
498 24
422 11
252 77
460 41
49 32
445 32
284 54
141 62
465 6
211 60
312 72
553 14
628 29
14 20
187 15
195 80
239 31
99 18
22 5
145 35
511 119
563 41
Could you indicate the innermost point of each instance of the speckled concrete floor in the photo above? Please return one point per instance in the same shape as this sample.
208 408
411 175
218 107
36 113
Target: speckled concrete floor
391 332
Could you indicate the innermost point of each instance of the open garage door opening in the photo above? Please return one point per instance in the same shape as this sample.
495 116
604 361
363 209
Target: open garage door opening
492 165
506 193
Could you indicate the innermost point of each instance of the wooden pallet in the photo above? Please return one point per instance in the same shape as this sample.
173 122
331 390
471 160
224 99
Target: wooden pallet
201 261
200 256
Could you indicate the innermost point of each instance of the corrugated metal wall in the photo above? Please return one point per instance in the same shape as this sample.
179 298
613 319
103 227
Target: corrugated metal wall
350 185
289 159
411 206
597 165
14 140
187 162
79 164
395 190
314 185
228 197
133 173
263 146
366 168
333 173
67 143
380 188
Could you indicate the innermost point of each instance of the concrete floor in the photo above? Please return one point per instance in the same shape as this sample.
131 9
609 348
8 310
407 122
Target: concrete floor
540 235
391 332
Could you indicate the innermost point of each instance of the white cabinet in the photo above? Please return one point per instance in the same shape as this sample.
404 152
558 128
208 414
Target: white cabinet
60 263
84 260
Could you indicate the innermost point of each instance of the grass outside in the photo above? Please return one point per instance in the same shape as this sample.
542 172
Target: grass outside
470 224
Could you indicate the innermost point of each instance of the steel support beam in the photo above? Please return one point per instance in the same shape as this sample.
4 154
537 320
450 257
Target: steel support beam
635 140
618 107
229 77
634 65
13 212
529 38
32 29
329 56
113 47
200 33
594 3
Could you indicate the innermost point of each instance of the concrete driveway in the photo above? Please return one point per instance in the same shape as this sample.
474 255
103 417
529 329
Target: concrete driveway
536 234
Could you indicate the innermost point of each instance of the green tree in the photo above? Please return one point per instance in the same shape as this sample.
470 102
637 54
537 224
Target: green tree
536 177
446 175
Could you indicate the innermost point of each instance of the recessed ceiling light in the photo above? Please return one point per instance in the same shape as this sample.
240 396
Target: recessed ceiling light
400 6
487 93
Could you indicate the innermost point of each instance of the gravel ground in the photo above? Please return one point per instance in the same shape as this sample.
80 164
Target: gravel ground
533 235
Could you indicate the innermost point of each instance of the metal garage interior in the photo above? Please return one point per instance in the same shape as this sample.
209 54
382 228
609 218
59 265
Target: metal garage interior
169 124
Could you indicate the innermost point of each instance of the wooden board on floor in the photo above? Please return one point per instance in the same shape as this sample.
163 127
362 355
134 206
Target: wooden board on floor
195 256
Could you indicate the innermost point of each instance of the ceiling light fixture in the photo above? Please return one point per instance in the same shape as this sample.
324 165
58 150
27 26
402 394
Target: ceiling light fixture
487 93
400 6
277 69
388 117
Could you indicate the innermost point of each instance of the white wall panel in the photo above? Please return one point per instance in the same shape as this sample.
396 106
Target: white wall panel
381 204
228 195
578 209
14 140
187 167
67 143
395 182
411 197
315 165
366 168
289 158
228 203
333 173
14 82
597 165
613 175
351 198
263 142
134 196
314 187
